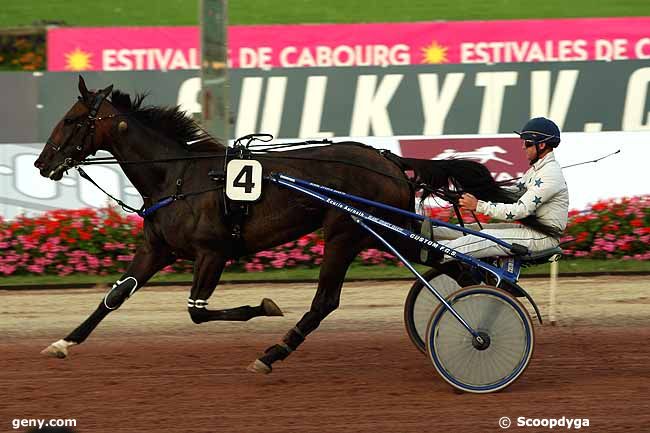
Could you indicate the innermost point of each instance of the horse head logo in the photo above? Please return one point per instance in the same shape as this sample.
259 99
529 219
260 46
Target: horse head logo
482 154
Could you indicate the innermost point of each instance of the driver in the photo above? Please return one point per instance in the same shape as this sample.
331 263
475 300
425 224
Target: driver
541 192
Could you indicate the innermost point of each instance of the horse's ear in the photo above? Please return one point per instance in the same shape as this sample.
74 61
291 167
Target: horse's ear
107 91
82 88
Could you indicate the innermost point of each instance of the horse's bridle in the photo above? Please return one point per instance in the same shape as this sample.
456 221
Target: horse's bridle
89 122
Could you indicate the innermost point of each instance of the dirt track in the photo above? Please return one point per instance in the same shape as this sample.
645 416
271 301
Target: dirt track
148 368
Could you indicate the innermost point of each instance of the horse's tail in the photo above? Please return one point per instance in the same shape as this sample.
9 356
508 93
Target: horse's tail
468 176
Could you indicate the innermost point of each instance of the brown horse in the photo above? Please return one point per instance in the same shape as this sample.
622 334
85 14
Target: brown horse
194 228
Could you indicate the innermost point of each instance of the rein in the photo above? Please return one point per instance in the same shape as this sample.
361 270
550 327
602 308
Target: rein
143 211
261 153
242 142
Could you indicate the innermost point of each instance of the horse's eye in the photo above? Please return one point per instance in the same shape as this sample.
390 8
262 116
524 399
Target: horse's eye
68 121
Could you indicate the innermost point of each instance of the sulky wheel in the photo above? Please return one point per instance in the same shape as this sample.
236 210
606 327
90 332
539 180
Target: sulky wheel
508 340
421 303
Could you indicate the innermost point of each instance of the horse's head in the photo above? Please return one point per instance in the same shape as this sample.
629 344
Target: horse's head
79 134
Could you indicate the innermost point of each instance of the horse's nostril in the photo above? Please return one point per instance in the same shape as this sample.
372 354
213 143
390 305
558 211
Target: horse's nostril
39 165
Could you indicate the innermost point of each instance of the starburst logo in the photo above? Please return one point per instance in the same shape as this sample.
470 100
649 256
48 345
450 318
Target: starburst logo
78 60
434 54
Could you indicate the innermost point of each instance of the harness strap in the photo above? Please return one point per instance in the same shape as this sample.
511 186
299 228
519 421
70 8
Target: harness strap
124 206
154 207
146 211
235 212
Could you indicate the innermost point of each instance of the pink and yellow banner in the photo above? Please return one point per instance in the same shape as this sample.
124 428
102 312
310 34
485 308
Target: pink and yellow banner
123 48
340 45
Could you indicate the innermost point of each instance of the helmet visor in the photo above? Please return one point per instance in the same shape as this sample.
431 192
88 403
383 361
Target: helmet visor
534 136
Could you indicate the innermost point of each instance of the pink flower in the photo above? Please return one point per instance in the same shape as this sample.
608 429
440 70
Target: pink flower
253 267
317 249
7 269
35 269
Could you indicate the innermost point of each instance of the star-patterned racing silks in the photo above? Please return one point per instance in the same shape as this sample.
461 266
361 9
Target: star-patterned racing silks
546 196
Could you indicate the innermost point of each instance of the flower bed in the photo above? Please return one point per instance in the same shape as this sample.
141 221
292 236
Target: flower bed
611 229
103 241
22 49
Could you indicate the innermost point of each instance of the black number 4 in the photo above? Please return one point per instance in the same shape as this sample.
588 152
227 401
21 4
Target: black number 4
247 173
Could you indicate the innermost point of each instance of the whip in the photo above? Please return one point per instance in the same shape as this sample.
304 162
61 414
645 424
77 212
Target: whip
592 161
507 181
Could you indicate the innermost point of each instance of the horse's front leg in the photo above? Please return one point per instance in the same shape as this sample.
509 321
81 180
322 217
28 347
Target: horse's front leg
146 262
208 267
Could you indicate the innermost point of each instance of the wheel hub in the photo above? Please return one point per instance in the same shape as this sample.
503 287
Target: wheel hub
481 342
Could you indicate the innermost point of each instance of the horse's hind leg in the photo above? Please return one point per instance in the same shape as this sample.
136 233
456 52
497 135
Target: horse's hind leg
146 262
340 251
207 271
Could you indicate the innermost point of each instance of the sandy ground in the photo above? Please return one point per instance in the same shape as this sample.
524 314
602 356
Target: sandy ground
149 368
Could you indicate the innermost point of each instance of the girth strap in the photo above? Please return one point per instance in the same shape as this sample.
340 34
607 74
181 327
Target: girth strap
235 212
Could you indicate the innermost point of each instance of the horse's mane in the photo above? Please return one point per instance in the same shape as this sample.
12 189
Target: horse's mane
170 121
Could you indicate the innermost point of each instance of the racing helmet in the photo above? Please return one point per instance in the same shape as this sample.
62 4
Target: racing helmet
540 130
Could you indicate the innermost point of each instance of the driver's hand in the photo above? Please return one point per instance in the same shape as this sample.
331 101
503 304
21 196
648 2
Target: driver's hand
468 202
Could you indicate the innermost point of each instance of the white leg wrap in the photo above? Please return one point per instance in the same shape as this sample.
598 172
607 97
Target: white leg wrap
116 285
199 303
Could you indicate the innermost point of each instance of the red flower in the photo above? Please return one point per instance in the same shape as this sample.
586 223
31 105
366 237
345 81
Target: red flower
636 223
600 206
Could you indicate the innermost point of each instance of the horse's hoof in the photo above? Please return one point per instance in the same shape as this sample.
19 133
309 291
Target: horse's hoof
58 349
258 366
271 308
